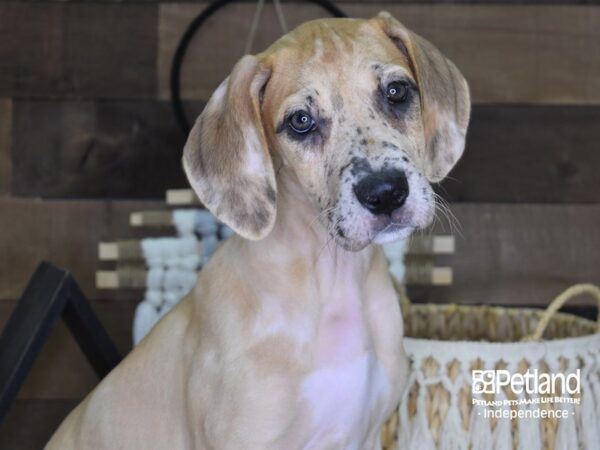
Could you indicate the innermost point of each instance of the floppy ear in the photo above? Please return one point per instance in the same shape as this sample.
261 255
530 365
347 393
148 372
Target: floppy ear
445 99
226 157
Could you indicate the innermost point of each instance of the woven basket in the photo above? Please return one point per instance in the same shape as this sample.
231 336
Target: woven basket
446 342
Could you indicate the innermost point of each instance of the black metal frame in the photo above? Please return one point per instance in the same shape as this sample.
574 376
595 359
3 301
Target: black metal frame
51 293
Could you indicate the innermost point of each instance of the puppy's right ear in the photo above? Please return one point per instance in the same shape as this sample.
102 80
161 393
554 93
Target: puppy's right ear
226 157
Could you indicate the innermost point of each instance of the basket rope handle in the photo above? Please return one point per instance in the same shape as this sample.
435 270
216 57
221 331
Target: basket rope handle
558 303
405 302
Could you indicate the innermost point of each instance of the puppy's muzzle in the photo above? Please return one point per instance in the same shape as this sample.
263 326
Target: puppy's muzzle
382 192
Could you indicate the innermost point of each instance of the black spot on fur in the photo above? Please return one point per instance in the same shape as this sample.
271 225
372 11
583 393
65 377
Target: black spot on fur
387 144
360 165
270 193
434 143
344 167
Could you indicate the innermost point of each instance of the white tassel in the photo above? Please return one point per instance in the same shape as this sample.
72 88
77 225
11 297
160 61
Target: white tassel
587 416
502 436
480 431
405 424
151 249
187 245
154 278
453 436
184 221
206 223
404 429
421 438
530 437
154 297
189 263
209 245
144 319
172 298
566 435
164 311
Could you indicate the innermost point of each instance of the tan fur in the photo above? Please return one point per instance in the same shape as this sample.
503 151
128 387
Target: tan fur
253 357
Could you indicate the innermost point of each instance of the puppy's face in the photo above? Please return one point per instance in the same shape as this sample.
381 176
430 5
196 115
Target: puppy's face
363 113
348 122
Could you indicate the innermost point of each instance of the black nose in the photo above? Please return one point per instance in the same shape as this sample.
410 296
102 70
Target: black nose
382 192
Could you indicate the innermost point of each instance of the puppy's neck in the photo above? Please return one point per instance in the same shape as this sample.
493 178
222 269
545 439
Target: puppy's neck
299 239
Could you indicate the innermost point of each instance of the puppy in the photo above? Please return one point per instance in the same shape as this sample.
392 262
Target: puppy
311 151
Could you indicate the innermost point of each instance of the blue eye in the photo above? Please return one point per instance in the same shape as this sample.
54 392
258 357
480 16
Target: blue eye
301 122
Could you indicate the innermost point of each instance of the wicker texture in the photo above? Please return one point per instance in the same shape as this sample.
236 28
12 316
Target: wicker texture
446 342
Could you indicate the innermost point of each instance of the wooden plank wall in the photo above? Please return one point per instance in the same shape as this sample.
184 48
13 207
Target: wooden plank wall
87 136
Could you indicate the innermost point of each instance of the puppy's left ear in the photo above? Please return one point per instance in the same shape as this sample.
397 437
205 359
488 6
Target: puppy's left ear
226 157
445 99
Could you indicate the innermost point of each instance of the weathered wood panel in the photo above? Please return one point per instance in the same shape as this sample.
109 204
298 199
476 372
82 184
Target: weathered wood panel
133 149
219 43
83 50
63 232
520 254
5 144
96 149
30 423
61 370
529 154
509 54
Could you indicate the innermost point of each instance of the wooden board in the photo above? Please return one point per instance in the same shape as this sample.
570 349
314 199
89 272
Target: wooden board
96 149
520 254
74 49
509 53
5 145
65 233
132 149
61 370
529 154
30 423
179 197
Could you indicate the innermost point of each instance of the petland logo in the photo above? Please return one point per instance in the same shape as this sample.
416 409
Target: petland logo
541 389
530 382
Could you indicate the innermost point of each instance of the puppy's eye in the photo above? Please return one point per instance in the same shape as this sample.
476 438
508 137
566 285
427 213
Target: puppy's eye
301 122
397 92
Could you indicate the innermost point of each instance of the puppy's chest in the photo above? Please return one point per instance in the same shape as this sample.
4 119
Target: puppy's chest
346 383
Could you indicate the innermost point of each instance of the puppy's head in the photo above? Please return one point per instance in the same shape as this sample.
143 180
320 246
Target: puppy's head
362 114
